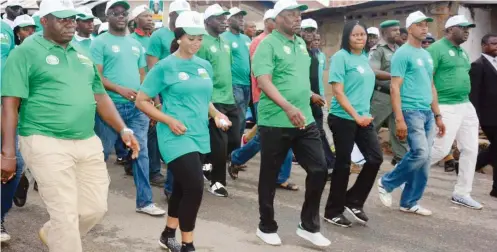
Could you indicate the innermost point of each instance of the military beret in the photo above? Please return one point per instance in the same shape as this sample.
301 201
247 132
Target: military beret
389 23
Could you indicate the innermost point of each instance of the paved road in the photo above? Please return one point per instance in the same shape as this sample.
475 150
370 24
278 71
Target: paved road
226 225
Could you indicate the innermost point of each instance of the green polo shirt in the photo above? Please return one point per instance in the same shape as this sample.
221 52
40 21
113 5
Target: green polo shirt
57 88
357 77
218 53
186 88
415 67
288 62
322 67
6 41
121 58
451 72
159 44
379 58
240 45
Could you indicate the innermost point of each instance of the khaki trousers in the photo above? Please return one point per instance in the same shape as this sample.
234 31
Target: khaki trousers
73 183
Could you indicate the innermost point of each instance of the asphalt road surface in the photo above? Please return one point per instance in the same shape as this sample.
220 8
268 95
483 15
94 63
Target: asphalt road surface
229 224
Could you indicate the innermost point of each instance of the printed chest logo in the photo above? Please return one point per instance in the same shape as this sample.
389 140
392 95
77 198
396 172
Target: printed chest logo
452 53
183 76
84 60
287 49
234 45
430 61
321 61
115 48
420 62
4 39
464 55
247 44
227 47
52 60
203 73
136 50
303 49
213 49
360 69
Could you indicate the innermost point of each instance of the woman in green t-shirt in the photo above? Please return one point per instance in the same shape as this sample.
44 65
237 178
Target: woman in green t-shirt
184 82
353 83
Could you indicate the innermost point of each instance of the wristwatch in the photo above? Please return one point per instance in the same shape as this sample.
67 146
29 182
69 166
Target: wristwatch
126 130
438 115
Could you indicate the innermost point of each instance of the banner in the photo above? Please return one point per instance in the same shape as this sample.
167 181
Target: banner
156 6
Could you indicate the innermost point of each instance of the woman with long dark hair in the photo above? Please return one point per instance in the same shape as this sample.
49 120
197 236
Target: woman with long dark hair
353 83
24 26
185 84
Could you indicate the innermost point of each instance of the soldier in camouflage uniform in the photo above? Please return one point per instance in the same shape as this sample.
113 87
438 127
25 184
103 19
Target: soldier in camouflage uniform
381 106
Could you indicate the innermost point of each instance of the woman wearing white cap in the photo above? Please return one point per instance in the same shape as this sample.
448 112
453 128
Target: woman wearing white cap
185 83
24 26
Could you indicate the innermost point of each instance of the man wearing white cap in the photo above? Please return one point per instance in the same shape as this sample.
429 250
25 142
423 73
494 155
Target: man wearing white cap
373 37
451 67
160 41
120 59
281 66
415 105
61 91
13 9
240 70
144 24
84 29
217 51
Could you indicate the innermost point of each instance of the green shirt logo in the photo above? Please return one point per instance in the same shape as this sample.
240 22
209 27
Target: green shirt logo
452 53
234 45
287 49
4 39
213 49
203 73
52 60
115 48
183 76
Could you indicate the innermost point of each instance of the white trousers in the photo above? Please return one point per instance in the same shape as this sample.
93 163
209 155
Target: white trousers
461 124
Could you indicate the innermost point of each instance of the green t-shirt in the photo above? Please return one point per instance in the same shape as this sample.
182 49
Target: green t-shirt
322 67
144 40
38 24
6 42
186 88
240 45
84 44
451 72
159 45
57 88
121 58
288 62
357 77
218 53
415 67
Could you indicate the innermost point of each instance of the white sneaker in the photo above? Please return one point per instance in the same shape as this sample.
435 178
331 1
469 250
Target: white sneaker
219 190
417 209
315 238
4 236
269 238
152 210
385 197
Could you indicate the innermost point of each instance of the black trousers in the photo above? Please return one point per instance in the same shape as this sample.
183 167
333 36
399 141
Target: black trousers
345 133
223 142
188 188
489 156
306 145
317 113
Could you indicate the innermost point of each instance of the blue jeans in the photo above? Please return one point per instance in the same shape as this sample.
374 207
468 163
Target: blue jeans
153 152
121 151
168 186
138 122
9 189
242 99
244 154
414 167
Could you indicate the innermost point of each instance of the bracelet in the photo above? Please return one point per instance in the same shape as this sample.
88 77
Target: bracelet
158 105
7 158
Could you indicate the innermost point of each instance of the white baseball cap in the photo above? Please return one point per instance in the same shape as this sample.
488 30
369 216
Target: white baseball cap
103 27
269 14
179 6
235 10
374 31
12 3
97 21
111 3
459 20
214 10
138 10
309 23
58 8
191 22
417 17
282 5
23 21
86 13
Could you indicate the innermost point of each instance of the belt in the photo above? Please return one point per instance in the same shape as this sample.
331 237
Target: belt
382 89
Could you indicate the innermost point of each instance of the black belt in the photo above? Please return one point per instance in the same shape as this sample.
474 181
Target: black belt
382 89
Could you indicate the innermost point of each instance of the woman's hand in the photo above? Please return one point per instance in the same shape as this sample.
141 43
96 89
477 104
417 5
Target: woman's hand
222 121
177 127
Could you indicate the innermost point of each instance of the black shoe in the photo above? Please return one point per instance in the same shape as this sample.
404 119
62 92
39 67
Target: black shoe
233 170
21 193
4 236
493 193
187 249
339 220
450 165
35 187
158 180
170 244
128 169
121 161
168 195
358 214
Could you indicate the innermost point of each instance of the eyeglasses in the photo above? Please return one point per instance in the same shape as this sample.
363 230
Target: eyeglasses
66 20
117 14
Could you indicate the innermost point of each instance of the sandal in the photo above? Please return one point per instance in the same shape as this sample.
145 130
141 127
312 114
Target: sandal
233 171
289 186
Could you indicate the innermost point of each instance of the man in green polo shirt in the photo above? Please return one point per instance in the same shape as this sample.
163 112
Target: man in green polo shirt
281 65
451 67
240 70
217 51
381 106
120 59
54 91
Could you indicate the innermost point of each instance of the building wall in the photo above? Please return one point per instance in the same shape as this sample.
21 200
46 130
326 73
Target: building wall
486 22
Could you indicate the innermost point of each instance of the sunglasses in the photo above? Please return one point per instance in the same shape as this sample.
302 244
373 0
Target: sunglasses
118 14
